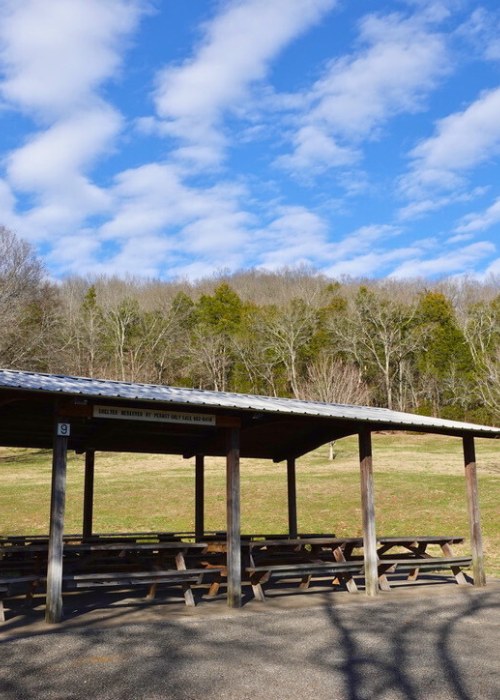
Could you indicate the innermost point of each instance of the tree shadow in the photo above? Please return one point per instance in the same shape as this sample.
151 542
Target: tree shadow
402 644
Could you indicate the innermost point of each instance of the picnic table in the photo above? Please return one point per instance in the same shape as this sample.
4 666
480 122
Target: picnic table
415 557
340 558
111 563
152 558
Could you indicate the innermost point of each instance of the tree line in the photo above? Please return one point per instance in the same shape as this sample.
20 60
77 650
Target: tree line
410 345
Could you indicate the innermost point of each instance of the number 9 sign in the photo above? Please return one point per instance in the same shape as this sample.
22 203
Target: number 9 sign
63 429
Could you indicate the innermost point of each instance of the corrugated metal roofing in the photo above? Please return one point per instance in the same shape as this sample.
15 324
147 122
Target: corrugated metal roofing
85 387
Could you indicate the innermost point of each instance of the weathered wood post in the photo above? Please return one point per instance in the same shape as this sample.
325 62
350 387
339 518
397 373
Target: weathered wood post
88 494
473 508
233 518
199 507
54 606
368 507
292 497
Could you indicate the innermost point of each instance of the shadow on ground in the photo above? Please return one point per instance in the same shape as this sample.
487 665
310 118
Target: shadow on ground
405 644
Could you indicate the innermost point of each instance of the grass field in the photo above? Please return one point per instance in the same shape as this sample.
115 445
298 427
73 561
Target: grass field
419 489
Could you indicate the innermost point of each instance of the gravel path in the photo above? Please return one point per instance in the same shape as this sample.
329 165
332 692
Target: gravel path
415 644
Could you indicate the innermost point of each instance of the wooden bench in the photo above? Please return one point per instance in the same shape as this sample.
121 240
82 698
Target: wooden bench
415 557
413 565
9 583
127 579
339 571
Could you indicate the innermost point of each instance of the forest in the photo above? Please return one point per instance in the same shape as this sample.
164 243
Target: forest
412 345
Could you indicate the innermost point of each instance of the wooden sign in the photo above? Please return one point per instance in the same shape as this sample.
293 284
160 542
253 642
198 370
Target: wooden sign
153 415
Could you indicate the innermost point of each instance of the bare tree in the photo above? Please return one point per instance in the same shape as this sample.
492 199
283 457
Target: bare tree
331 381
286 331
377 332
28 313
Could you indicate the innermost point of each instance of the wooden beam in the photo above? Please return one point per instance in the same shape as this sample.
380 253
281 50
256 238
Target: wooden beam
199 517
473 508
233 518
227 422
292 497
368 507
88 493
54 606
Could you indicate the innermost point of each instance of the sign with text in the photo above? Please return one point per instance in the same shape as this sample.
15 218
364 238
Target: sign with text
152 415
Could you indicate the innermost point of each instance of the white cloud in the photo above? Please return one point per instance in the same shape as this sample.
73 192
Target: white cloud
365 264
482 221
419 208
460 261
235 52
462 141
63 151
358 94
493 270
296 236
55 54
54 57
154 197
481 32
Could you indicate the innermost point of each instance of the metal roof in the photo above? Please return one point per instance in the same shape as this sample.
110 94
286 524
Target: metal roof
99 388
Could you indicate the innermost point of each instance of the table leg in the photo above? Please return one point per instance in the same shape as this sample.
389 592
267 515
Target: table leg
256 581
186 587
456 570
346 577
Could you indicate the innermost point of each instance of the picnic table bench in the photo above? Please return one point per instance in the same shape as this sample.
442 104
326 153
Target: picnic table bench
415 557
10 583
303 558
165 564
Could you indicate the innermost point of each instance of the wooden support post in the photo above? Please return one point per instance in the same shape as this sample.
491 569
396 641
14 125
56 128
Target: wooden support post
292 497
473 508
54 607
199 517
368 506
88 494
233 518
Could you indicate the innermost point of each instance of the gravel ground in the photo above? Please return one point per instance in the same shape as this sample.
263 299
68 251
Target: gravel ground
433 642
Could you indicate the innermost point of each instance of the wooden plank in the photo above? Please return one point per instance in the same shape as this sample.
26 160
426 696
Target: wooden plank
88 494
473 510
54 604
199 518
233 518
368 508
292 497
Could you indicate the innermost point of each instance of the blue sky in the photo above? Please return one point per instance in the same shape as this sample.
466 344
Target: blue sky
181 138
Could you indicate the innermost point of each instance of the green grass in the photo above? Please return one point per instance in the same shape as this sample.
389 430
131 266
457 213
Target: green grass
419 489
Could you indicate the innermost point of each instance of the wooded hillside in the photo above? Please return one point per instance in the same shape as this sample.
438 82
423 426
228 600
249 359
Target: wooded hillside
411 345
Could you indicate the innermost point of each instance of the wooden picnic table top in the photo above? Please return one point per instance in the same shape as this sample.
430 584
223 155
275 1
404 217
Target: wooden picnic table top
110 546
430 539
15 539
296 542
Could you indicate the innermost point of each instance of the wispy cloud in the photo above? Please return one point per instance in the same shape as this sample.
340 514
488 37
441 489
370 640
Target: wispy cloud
234 53
481 33
54 58
462 260
461 141
480 221
419 208
358 94
55 54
